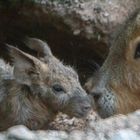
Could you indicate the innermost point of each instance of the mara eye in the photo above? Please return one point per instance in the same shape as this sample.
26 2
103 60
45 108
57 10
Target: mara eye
57 88
137 52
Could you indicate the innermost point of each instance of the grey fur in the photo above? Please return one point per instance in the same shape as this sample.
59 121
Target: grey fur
29 94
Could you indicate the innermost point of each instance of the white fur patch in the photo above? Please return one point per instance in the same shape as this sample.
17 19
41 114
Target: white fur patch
6 71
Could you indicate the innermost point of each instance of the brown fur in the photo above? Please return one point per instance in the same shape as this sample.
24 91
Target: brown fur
116 87
38 88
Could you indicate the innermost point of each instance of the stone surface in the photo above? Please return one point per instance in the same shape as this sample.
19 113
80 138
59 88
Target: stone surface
120 127
20 132
72 28
66 123
91 18
125 135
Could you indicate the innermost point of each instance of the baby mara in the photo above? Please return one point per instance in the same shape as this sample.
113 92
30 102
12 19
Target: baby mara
38 88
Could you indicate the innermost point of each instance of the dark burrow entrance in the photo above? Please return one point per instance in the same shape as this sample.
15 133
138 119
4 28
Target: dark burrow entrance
84 55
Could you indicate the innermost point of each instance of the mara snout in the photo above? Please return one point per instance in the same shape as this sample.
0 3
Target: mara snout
116 86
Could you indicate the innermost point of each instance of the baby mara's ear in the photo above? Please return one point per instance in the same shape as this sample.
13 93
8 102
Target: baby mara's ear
26 67
41 47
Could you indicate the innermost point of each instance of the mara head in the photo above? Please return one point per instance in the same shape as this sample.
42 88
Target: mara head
57 86
116 86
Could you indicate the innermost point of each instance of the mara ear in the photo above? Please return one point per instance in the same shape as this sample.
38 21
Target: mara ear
25 66
41 47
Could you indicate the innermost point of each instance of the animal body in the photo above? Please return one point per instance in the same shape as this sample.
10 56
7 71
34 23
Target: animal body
35 89
116 86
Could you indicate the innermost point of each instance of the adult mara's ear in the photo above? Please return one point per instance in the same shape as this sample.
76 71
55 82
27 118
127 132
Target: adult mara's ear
26 67
39 46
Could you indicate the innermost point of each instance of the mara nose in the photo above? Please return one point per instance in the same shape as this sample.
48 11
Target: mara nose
86 107
96 95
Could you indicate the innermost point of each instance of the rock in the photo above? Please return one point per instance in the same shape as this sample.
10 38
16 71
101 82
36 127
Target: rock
52 135
64 122
113 128
91 18
76 135
3 136
125 135
20 133
72 28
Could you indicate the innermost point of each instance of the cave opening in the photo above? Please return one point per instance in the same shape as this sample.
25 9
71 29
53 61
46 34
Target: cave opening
86 56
